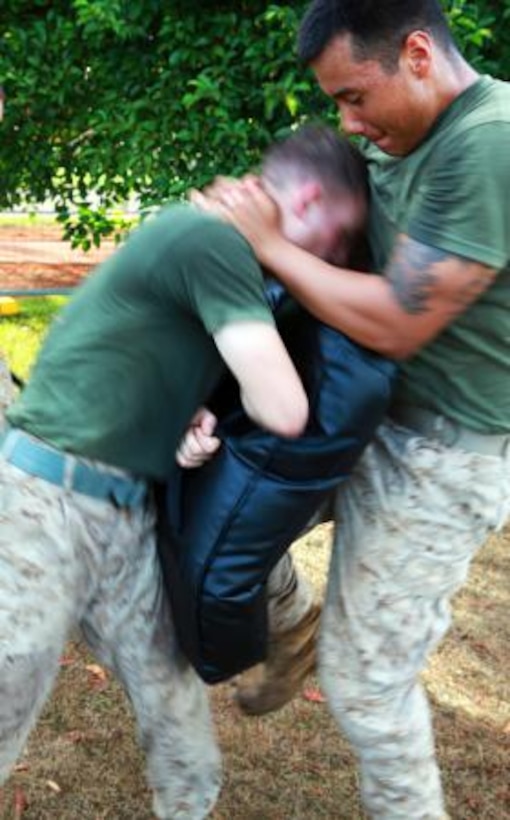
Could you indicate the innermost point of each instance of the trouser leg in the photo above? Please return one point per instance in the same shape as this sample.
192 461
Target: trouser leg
38 580
409 522
289 596
26 677
293 616
129 627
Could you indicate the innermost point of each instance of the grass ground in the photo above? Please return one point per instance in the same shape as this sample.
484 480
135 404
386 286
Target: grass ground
82 761
21 334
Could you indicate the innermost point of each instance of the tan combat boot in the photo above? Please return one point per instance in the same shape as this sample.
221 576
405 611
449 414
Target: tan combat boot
291 657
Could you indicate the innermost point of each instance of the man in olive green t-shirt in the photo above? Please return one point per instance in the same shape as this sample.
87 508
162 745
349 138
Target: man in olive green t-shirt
143 341
436 480
125 365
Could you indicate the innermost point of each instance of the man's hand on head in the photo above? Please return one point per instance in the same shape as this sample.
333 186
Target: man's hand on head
213 197
245 204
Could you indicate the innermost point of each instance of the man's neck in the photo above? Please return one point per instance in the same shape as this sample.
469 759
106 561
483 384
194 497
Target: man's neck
455 76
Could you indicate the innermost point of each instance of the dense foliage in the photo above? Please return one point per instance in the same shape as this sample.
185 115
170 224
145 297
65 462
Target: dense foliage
106 98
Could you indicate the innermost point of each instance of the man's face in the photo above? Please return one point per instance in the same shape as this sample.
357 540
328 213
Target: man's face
327 226
386 108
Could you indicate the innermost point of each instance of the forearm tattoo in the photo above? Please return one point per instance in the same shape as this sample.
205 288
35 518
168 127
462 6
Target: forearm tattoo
413 275
419 274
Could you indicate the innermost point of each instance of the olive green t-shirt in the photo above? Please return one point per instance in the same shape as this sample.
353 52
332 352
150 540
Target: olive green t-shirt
131 356
453 193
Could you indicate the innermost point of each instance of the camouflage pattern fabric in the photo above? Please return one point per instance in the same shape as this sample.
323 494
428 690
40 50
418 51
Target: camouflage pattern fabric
289 597
409 522
69 559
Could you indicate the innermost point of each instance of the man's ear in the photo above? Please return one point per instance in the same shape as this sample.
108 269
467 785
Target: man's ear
417 52
307 194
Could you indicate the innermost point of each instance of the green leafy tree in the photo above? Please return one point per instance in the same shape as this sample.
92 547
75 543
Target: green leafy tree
111 98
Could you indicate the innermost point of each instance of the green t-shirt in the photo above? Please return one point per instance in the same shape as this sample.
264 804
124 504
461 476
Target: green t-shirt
453 193
130 358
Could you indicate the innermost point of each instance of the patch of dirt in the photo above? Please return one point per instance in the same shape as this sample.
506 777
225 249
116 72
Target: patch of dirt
26 233
37 275
36 257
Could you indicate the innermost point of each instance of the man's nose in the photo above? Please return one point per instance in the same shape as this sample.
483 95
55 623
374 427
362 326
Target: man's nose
351 123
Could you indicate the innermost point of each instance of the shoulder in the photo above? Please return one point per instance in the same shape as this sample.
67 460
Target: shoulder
184 218
184 221
476 125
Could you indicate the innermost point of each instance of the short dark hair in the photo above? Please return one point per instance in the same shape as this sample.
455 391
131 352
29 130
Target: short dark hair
378 28
321 152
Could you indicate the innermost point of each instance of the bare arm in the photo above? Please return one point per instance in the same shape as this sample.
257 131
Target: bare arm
271 390
423 290
199 443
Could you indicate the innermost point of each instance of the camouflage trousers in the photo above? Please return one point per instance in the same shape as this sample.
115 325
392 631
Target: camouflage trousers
409 521
68 559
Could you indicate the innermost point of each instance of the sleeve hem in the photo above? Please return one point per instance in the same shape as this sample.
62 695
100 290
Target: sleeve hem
469 250
263 316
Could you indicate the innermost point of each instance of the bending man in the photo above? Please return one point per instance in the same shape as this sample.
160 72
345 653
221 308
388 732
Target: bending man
124 367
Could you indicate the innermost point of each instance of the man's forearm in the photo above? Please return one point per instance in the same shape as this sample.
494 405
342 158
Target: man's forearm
422 291
361 305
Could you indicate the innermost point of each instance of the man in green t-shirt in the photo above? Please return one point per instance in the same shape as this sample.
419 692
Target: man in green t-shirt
436 480
125 365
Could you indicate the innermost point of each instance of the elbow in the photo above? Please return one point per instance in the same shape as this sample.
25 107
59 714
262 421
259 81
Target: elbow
291 419
286 417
